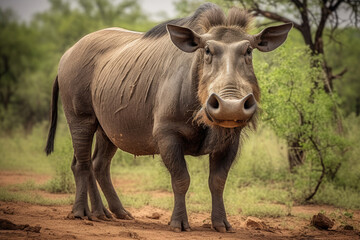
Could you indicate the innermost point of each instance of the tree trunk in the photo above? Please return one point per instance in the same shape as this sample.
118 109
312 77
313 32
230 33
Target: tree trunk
296 155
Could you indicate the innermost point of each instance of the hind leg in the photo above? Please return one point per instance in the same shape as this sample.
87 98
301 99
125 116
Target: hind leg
104 152
98 209
82 132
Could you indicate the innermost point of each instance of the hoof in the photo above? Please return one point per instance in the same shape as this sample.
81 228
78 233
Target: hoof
230 230
178 230
224 230
100 218
123 214
72 216
223 227
220 229
179 226
102 214
174 229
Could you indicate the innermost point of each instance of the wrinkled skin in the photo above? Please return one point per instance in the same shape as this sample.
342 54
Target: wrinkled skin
180 93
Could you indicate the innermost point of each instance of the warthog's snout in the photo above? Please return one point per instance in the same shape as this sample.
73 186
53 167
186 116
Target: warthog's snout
230 113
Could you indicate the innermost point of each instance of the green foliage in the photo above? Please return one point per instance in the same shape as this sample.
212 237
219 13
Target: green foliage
20 94
348 175
29 53
337 196
188 7
343 54
297 108
63 25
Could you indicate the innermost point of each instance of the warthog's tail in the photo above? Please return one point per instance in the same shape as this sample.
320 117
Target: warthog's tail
53 118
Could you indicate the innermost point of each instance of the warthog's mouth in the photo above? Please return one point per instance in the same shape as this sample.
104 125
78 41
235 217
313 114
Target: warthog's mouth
226 123
232 124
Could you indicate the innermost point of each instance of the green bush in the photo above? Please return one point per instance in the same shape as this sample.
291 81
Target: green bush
296 107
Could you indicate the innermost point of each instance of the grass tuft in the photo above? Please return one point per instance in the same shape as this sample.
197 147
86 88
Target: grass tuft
33 198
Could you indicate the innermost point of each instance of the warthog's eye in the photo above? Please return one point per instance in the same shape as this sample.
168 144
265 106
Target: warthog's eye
208 55
249 51
248 55
207 50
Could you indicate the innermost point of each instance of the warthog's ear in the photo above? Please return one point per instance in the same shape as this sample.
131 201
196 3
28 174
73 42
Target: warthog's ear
184 38
271 37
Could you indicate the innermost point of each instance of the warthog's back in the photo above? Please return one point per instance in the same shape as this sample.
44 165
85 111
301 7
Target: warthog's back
114 74
77 66
79 75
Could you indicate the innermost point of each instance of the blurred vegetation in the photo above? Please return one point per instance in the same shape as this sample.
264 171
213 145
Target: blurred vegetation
259 184
31 51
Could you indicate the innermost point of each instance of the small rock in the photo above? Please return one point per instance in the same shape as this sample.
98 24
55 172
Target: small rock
155 215
348 227
255 223
35 229
9 211
320 221
69 236
133 235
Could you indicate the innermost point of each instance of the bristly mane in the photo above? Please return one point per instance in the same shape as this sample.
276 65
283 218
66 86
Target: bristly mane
205 17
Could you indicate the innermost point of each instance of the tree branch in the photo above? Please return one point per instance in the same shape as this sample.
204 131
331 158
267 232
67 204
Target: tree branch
298 4
274 16
305 25
335 6
325 13
339 75
322 170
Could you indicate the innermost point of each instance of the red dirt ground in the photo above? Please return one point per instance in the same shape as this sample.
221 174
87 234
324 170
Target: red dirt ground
55 225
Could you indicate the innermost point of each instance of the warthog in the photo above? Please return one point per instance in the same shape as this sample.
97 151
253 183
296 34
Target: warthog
186 87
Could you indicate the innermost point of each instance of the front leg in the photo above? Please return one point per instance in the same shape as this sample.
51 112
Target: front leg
171 151
220 163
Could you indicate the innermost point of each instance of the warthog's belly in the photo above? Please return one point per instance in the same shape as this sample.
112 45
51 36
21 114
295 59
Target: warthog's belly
135 141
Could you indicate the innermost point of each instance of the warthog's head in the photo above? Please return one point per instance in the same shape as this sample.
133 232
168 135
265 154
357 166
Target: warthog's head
227 86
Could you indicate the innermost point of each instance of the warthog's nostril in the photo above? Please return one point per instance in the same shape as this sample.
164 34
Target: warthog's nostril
250 102
213 101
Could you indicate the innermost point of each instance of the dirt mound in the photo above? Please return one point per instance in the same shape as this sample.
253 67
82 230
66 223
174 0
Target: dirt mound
7 225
